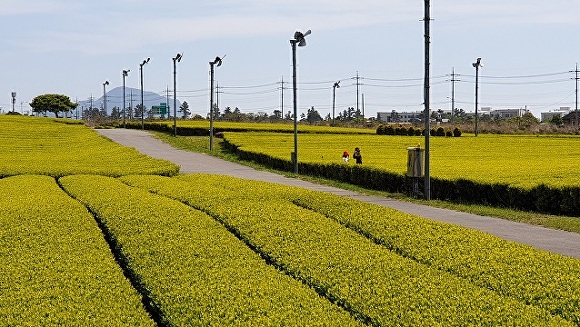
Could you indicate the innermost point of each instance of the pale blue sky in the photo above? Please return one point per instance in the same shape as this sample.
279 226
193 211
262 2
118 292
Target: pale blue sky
71 47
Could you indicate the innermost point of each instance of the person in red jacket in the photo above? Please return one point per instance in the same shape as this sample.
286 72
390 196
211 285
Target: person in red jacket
345 156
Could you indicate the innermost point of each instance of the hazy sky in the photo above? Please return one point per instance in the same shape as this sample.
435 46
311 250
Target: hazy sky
528 48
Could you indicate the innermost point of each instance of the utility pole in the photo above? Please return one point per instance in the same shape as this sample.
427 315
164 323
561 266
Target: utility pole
476 65
363 105
282 97
357 89
217 94
576 107
167 102
427 115
453 80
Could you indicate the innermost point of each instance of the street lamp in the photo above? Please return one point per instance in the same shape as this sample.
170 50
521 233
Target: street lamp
175 61
217 61
125 73
105 96
477 64
142 107
299 38
334 87
13 100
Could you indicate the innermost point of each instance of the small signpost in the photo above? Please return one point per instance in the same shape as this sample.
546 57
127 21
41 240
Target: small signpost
415 162
160 110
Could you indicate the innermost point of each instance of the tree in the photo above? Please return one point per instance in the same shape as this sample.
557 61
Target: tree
116 113
313 116
184 110
556 120
54 103
138 111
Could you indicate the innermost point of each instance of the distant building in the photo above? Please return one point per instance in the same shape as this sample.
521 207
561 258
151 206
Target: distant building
399 117
484 111
547 116
572 118
508 113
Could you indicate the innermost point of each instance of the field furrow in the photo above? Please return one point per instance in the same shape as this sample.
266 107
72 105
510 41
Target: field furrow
56 268
549 281
195 271
367 279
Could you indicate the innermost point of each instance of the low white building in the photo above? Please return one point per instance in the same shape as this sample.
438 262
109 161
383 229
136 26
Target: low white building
508 113
399 117
563 111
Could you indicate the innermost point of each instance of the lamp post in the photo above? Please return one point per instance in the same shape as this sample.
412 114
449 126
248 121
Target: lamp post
299 38
175 61
334 87
218 62
142 107
125 73
13 100
105 95
477 64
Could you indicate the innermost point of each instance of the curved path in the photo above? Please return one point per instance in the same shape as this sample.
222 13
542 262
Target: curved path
556 241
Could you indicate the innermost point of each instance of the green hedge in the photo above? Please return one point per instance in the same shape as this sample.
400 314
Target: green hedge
391 129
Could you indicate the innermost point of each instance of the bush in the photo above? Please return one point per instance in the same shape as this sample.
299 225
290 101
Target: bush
381 130
440 132
457 132
448 133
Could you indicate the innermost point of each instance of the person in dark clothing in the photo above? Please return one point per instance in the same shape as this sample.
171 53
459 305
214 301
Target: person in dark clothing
357 156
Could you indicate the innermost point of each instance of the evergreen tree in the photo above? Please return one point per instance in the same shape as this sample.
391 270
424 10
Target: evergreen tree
184 110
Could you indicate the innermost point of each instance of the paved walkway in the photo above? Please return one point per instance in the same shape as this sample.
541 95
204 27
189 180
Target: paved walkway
562 242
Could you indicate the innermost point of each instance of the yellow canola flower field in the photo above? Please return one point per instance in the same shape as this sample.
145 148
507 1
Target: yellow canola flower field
542 279
56 268
375 284
59 147
194 270
266 127
520 161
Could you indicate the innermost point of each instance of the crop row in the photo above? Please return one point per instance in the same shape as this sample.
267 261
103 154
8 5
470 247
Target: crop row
201 127
194 271
373 283
546 280
56 268
31 145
